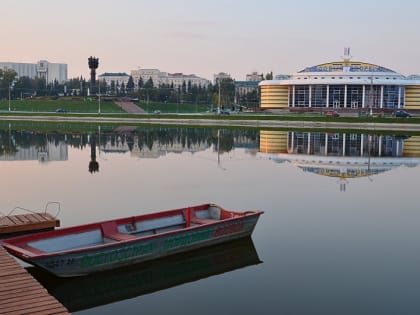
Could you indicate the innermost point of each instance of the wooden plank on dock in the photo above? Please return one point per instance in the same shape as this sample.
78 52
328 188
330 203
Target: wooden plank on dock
5 221
20 293
29 222
23 218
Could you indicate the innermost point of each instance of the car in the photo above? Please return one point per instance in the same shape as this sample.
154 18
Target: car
332 113
401 114
61 110
156 112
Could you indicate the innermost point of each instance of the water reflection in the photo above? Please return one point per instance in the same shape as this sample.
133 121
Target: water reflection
107 287
341 155
331 250
93 164
139 143
30 146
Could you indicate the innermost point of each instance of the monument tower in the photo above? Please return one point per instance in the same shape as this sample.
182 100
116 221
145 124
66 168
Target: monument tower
93 65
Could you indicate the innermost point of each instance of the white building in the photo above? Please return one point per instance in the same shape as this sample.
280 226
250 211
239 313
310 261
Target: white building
117 78
255 77
159 78
245 87
146 74
220 76
42 69
178 79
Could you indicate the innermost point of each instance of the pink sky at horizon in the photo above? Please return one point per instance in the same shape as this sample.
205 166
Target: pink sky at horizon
206 38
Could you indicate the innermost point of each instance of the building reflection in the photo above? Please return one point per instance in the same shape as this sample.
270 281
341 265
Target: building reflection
25 146
150 144
140 143
334 154
341 155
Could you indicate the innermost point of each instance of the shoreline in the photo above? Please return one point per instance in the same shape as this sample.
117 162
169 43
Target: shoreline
220 122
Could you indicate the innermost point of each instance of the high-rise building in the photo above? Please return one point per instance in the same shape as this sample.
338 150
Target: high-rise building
42 69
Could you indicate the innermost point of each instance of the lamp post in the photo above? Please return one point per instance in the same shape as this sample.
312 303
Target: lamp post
11 84
99 96
371 98
218 107
10 87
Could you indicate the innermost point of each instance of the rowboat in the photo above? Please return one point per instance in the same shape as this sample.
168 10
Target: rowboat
81 293
90 248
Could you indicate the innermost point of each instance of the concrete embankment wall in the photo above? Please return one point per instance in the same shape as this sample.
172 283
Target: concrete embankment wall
221 122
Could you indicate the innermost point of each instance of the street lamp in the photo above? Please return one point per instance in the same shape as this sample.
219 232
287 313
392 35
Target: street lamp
99 96
11 85
218 107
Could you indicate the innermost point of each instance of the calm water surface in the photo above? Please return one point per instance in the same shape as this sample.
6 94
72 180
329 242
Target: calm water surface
340 233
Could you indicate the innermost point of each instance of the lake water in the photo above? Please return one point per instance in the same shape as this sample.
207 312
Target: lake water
340 233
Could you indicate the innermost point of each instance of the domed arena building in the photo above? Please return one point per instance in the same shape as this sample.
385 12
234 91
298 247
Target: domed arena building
342 85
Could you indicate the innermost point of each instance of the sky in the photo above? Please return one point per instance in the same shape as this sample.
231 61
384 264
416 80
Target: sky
207 37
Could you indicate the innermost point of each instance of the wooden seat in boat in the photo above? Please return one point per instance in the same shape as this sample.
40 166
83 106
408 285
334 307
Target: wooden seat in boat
109 230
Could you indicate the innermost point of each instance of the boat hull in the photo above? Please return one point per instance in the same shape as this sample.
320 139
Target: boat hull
119 254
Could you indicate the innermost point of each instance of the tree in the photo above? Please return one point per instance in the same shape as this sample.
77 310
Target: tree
269 76
130 85
24 87
227 92
117 88
140 83
40 86
6 78
184 87
149 84
123 90
113 92
102 86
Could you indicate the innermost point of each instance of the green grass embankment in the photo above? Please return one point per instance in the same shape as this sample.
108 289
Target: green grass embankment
86 108
46 105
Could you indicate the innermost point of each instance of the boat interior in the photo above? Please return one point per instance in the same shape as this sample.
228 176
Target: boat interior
131 228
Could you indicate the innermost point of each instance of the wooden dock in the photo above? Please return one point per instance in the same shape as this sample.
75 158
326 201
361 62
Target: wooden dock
20 293
29 222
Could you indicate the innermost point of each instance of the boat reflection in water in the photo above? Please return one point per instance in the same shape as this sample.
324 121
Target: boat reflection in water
86 292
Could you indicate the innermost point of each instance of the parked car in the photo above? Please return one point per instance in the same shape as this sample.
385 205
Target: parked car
332 113
401 114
